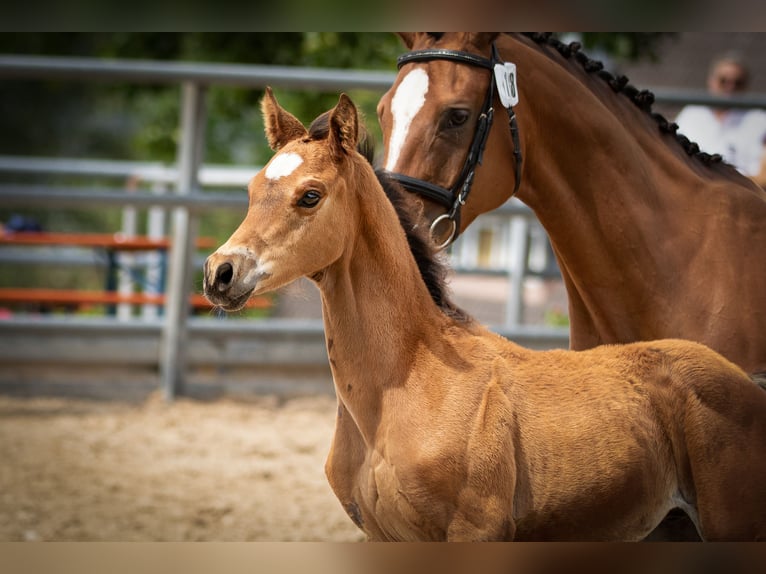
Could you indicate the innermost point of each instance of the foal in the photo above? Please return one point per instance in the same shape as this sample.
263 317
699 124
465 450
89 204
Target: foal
446 431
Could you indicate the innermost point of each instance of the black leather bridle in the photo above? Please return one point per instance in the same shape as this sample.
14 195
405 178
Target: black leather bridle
454 198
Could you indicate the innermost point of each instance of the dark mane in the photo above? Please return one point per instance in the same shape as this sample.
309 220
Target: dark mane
643 99
432 269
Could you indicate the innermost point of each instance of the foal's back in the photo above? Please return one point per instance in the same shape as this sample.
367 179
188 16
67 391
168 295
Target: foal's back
637 429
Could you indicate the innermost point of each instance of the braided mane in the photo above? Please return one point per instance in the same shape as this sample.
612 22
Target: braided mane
643 99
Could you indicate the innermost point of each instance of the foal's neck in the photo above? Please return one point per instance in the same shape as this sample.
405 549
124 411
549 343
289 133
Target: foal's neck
378 312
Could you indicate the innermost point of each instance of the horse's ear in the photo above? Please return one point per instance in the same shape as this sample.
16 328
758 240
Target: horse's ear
344 127
281 126
408 38
483 40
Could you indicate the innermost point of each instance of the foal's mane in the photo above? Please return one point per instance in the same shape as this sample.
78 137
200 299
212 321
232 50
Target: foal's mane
432 269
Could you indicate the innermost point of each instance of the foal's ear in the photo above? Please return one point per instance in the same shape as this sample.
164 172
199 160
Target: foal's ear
344 127
281 126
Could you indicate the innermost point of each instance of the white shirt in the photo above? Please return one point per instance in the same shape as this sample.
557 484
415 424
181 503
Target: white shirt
739 137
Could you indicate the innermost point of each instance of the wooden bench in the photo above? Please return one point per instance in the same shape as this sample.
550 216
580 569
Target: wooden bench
73 297
111 243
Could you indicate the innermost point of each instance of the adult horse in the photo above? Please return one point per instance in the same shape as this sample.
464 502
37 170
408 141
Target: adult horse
654 238
446 431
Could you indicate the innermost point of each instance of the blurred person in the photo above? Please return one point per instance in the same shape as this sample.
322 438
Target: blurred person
739 135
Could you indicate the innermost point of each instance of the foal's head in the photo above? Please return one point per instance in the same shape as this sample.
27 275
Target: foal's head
301 212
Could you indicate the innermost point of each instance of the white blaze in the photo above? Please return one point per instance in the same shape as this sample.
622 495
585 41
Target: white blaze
282 165
406 103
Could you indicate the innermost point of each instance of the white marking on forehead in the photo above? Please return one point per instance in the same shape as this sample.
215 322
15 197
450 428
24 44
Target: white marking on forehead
283 164
409 98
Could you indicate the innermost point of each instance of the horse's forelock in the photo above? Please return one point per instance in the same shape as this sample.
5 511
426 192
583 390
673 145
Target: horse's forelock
320 129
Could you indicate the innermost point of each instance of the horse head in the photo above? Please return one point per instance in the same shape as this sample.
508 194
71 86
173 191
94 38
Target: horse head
437 124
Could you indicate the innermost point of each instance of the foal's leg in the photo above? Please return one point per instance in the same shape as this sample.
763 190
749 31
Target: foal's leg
485 500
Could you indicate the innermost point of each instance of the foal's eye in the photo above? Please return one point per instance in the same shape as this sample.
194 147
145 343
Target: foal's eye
310 198
457 118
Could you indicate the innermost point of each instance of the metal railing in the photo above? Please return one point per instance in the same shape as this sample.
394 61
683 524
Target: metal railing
188 201
194 79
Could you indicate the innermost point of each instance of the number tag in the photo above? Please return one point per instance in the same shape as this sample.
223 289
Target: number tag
505 78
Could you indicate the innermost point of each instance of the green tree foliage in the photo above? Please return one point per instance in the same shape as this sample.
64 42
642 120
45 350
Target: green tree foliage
627 45
129 121
108 120
140 121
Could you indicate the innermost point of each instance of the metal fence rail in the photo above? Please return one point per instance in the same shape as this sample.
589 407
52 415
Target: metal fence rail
193 79
259 76
228 357
200 74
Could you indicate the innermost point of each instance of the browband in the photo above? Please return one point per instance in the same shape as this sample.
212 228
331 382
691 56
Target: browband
440 54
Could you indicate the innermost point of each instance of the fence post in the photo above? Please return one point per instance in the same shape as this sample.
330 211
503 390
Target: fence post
517 264
184 233
155 262
126 261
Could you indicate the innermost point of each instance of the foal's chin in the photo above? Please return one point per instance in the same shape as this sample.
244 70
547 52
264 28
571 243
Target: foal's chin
229 304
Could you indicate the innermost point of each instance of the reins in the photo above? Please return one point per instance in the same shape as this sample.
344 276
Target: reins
454 198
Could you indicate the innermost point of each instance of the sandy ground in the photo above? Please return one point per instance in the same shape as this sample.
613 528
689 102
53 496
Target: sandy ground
226 470
75 470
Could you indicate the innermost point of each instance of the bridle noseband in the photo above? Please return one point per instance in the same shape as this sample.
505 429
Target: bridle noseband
453 199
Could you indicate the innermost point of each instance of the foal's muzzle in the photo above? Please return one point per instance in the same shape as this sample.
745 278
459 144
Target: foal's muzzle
220 282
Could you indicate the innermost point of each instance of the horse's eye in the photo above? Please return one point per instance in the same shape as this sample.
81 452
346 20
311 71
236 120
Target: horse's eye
310 198
457 118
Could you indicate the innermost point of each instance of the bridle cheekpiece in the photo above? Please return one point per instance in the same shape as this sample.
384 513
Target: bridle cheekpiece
504 78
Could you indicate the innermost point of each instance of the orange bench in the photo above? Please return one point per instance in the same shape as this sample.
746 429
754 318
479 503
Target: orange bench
112 243
15 295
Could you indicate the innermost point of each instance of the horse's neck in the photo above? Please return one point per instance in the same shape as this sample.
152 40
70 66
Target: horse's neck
604 193
377 314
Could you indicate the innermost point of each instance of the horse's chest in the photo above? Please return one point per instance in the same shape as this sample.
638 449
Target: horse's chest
388 508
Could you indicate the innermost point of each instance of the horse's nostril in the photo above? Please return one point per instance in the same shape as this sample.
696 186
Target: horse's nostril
224 274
